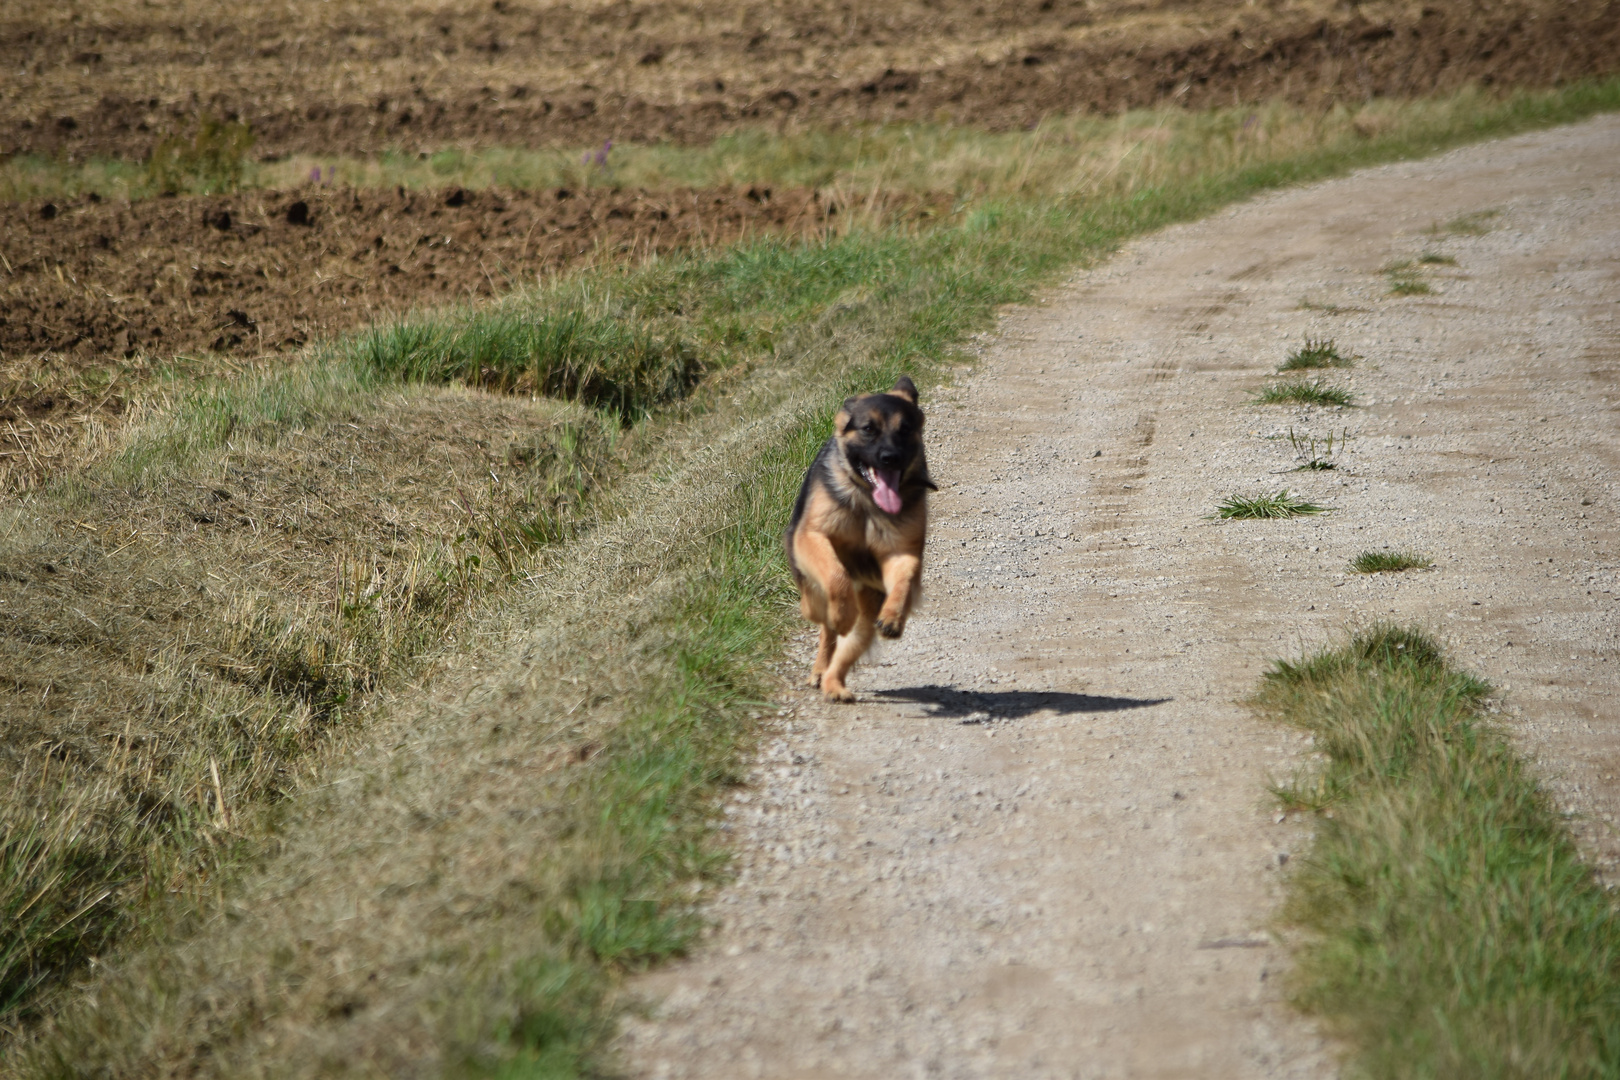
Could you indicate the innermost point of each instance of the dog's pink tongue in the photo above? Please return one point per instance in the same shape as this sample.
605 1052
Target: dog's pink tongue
883 490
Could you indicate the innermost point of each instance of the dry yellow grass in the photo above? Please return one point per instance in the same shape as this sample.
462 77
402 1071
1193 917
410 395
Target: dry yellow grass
177 642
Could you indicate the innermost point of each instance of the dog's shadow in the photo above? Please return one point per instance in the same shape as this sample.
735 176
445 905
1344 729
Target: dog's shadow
976 706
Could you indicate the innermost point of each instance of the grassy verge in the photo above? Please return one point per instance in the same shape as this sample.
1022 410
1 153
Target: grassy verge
721 338
1061 157
1451 928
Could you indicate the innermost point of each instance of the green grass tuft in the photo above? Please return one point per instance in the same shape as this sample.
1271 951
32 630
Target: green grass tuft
1299 392
617 364
1389 562
1314 454
1475 224
1434 258
1279 505
213 159
1316 353
1451 926
1406 279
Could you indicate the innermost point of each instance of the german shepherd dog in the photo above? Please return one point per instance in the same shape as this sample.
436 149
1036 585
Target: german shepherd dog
855 541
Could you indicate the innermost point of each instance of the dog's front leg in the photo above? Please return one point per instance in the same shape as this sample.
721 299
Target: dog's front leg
851 646
902 575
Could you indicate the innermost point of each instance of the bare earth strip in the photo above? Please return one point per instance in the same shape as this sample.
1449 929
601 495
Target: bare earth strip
1039 846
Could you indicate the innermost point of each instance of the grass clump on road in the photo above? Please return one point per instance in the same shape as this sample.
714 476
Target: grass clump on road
1281 504
1450 925
1477 223
1389 562
1316 353
1406 279
1300 392
1314 454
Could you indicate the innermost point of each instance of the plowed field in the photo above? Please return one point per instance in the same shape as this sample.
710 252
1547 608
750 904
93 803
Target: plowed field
268 270
313 76
250 274
88 281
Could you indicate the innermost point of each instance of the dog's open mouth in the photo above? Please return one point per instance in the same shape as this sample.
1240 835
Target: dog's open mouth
885 487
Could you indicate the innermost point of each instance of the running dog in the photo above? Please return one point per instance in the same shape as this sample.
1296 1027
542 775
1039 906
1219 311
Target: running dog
855 542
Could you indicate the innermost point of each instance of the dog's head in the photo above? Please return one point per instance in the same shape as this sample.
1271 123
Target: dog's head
881 437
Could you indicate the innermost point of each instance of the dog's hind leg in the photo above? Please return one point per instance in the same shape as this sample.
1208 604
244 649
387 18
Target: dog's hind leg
852 645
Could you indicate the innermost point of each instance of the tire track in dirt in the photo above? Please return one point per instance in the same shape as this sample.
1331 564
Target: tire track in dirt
1039 844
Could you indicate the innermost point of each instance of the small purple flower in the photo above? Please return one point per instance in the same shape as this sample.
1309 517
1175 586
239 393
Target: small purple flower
600 157
315 175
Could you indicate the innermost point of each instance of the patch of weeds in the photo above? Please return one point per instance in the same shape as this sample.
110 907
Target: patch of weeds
558 1025
1434 258
1451 926
1316 455
617 364
1406 279
1307 304
210 161
1281 504
1299 392
1476 224
1316 353
1389 562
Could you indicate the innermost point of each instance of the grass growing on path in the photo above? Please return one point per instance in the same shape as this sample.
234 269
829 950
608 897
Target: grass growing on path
1389 562
751 326
1281 504
1316 353
1451 927
1406 279
1299 392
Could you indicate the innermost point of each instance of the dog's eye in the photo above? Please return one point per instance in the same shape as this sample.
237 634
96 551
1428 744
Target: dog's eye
868 429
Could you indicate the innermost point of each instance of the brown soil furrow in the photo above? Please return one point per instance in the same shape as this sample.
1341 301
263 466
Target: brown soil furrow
235 274
361 80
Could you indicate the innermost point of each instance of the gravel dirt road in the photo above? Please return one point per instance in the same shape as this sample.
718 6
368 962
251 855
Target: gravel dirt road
1039 845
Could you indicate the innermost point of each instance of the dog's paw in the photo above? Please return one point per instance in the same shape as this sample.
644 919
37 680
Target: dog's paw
814 680
890 628
837 692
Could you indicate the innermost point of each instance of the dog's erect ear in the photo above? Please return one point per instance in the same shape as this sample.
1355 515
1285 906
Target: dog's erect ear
841 421
905 388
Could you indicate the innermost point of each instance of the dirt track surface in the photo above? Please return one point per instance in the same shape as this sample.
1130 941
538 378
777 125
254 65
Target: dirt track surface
1039 845
312 77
